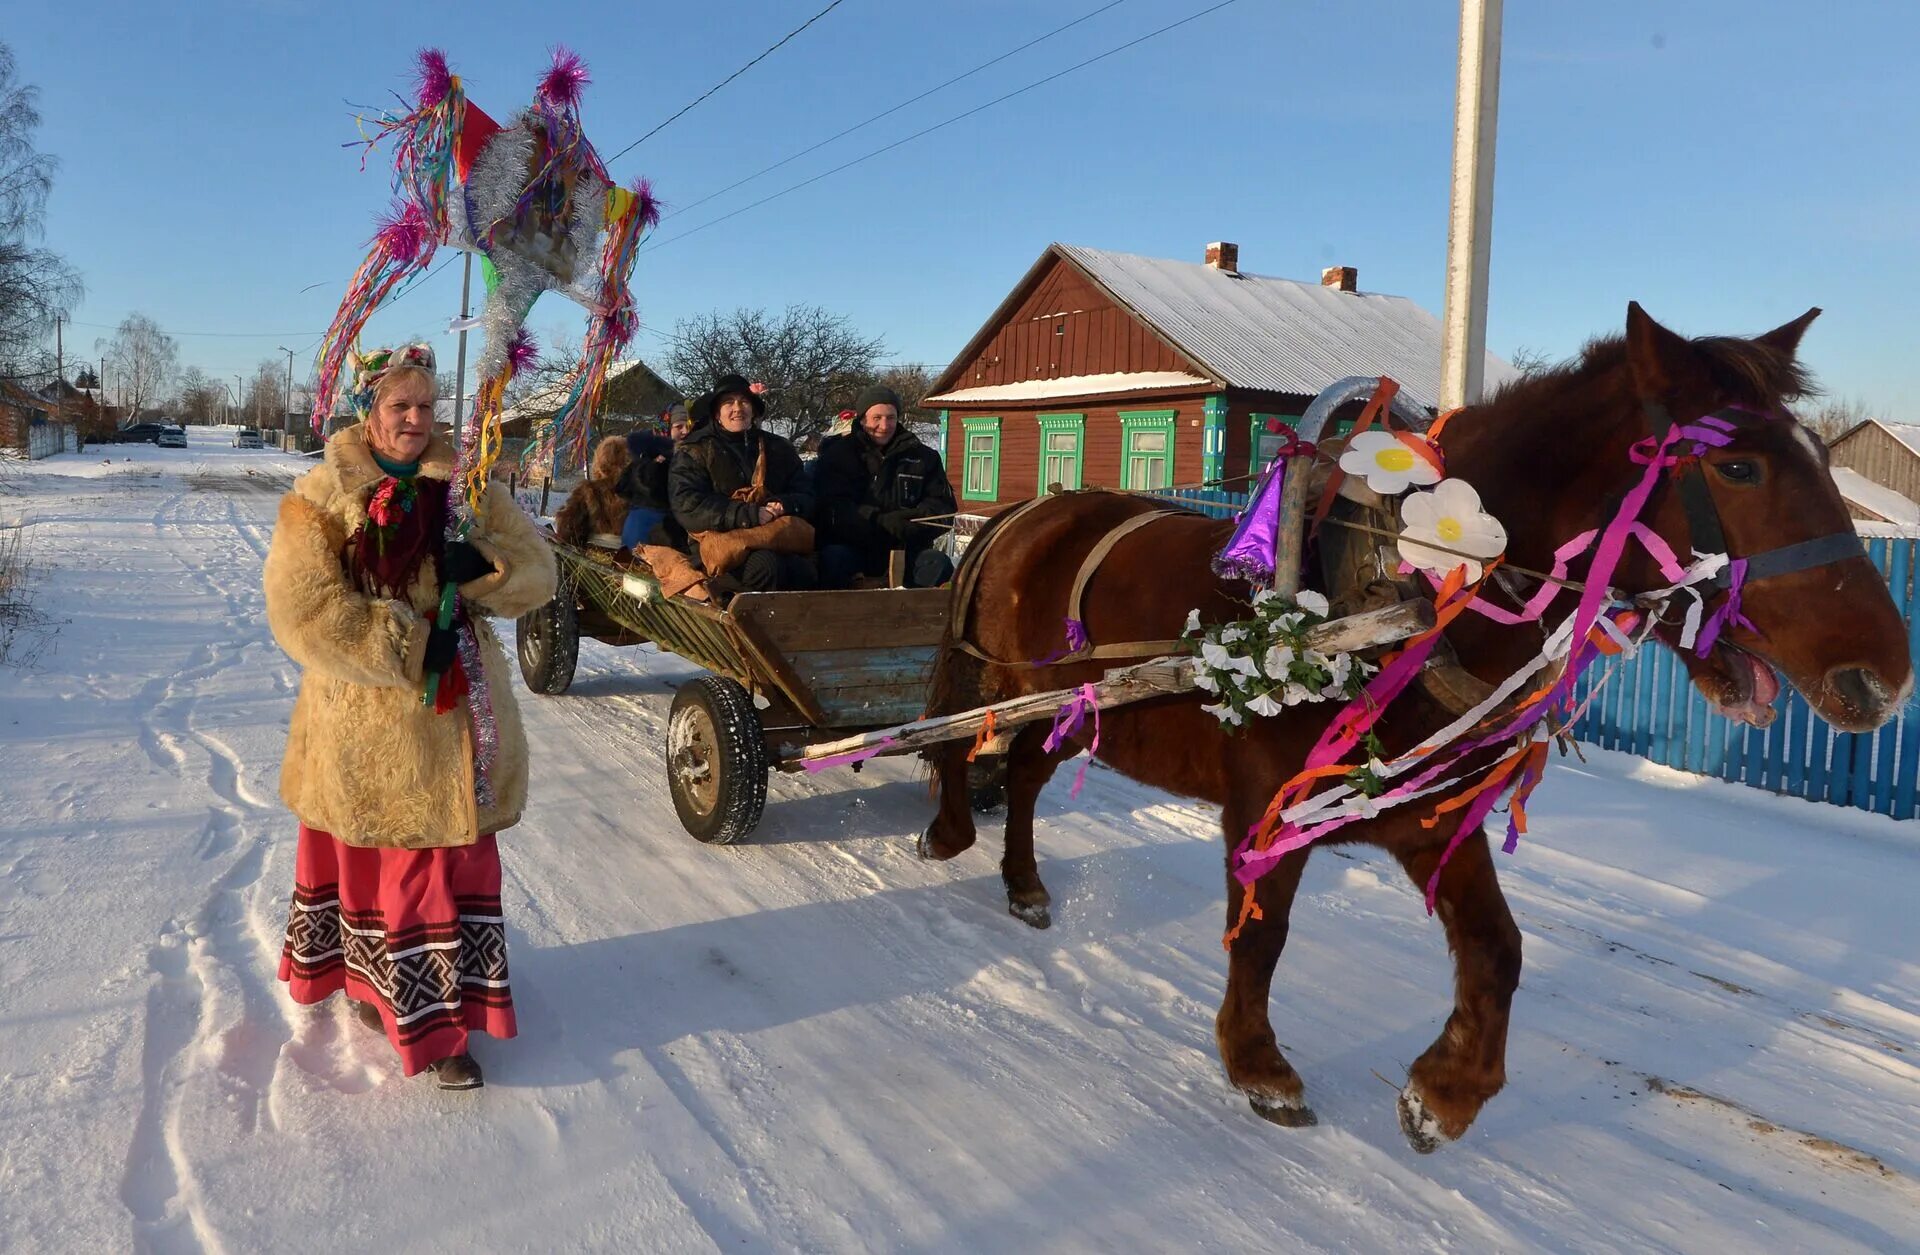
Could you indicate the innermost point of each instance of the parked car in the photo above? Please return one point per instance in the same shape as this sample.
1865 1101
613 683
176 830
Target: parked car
139 433
246 438
171 438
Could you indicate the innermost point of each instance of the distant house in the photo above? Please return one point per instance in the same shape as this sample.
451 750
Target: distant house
1886 454
28 427
1111 369
634 393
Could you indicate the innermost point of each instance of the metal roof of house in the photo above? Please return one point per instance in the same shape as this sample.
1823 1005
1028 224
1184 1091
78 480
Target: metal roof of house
1278 335
1878 499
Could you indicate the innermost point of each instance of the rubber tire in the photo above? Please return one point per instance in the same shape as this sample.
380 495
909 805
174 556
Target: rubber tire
737 757
549 645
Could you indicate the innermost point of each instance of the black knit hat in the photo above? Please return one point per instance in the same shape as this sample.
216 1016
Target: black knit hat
877 394
701 411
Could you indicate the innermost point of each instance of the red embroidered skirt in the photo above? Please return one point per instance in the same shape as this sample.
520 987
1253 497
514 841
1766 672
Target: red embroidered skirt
418 933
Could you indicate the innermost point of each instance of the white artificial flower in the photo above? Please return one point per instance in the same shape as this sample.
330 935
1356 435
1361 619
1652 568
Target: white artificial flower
1367 806
1342 668
1278 659
1204 681
1244 666
1290 623
1298 693
1261 596
1386 463
1224 713
1265 705
1311 602
1232 634
1215 655
1449 515
1193 623
1319 659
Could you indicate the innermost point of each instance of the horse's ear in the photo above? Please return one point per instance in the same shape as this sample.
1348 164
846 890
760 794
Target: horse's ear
1664 363
1786 337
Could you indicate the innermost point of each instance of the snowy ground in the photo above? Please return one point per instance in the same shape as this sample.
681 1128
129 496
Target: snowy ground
815 1041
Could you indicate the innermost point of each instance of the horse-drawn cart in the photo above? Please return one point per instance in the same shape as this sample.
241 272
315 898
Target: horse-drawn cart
801 681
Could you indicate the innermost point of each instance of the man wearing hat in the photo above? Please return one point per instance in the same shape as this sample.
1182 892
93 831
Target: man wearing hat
728 475
875 484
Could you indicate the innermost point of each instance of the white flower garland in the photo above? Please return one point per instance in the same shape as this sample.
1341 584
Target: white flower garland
1262 665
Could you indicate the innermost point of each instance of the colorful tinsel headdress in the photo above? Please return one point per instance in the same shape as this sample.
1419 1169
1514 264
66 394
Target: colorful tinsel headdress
369 368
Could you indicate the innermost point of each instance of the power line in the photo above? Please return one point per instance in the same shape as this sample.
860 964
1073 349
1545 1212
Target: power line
723 82
678 209
886 148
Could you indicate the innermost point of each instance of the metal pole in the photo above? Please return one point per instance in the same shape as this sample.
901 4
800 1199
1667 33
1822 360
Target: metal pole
286 411
460 357
1476 110
60 369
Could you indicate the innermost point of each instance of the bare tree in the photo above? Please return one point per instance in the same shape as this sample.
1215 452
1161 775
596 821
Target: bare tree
36 285
812 361
197 397
142 361
266 393
1835 417
1531 361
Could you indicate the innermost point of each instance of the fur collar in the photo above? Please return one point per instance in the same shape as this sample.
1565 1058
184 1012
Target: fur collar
351 458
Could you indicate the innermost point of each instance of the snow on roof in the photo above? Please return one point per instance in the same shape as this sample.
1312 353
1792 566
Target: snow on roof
1279 335
1072 386
1906 433
1875 498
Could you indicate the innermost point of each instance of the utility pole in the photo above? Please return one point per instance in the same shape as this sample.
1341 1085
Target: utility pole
239 390
286 411
460 358
60 370
1476 111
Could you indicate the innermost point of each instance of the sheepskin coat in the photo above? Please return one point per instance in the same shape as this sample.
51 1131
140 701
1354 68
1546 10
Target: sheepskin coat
366 761
597 507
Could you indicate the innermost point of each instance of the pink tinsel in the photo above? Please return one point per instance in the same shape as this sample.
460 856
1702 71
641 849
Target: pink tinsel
649 207
521 353
403 233
434 80
566 80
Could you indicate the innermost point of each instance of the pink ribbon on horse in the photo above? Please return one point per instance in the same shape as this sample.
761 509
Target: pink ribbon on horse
1068 720
1729 613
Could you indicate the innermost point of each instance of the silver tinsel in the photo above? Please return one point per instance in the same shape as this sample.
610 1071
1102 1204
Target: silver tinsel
486 732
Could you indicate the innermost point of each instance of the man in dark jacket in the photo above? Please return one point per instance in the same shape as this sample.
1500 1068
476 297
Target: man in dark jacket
712 471
874 484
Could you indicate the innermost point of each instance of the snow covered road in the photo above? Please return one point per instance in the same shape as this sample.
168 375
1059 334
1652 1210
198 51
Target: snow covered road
814 1041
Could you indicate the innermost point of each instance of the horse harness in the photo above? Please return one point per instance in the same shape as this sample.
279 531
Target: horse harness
969 576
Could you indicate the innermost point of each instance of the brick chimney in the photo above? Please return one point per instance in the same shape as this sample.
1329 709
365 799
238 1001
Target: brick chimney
1224 256
1340 278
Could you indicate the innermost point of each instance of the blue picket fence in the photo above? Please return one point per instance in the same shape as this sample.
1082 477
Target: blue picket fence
1649 708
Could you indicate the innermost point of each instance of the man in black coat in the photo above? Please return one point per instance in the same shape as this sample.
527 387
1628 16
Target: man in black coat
717 460
874 484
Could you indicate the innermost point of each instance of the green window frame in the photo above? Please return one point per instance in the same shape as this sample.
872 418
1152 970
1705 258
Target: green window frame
1063 451
980 454
1261 443
1146 449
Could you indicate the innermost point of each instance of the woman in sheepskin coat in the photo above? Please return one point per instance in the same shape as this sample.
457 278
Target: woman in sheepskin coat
596 510
397 879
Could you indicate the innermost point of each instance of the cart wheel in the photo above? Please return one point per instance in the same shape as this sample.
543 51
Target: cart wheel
716 760
550 644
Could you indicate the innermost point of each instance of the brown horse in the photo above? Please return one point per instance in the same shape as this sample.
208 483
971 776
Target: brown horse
1550 458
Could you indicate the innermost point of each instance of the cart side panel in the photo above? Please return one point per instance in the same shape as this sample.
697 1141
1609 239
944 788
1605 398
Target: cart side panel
867 687
847 619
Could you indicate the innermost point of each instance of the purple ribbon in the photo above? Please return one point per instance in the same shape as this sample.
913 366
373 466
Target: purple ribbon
1729 612
1076 642
1069 719
851 756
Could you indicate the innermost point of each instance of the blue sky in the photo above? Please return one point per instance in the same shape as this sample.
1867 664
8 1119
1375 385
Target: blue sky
1725 163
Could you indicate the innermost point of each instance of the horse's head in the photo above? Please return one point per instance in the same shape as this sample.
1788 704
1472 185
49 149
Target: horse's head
1811 605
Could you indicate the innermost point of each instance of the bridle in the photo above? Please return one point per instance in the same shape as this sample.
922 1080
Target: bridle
1707 534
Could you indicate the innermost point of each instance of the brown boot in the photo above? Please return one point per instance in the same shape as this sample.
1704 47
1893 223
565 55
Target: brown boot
461 1071
369 1015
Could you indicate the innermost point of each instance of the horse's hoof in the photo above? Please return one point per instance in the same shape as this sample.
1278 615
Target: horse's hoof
1288 1113
931 852
1032 914
1420 1125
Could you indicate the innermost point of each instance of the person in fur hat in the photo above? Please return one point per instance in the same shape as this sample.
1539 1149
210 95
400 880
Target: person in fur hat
743 495
396 896
875 483
596 510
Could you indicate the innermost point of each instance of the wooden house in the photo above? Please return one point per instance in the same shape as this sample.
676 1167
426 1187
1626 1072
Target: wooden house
1886 454
1116 370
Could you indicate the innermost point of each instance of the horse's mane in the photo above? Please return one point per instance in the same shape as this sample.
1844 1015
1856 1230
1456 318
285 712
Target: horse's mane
1750 372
